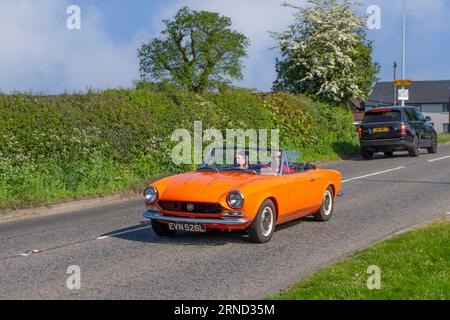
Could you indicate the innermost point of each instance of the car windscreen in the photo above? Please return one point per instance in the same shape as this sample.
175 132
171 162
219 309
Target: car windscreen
243 160
382 116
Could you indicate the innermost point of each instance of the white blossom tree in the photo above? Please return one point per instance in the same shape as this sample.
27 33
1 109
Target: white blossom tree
325 53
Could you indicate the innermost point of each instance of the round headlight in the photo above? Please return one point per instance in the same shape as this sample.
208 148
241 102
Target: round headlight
235 199
150 194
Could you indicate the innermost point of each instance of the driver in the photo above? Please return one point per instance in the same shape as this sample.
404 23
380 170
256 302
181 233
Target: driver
241 160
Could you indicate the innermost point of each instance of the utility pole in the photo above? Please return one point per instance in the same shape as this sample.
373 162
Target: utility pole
395 86
404 46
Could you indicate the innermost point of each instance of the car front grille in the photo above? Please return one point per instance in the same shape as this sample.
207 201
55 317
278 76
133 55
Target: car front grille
191 207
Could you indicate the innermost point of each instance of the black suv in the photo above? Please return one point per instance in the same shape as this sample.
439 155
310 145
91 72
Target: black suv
390 129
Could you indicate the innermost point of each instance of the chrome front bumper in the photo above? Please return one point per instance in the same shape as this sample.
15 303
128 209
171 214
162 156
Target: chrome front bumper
225 221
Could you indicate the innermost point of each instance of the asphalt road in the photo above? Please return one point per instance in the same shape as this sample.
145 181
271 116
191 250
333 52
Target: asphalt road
121 258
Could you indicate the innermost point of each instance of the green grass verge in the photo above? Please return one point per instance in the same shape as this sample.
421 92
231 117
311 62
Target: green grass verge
413 266
444 138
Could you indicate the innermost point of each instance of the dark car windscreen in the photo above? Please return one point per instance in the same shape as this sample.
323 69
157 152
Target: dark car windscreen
384 116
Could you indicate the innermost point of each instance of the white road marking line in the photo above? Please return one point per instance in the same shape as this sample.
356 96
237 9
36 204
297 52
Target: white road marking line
447 157
448 213
123 232
30 252
373 174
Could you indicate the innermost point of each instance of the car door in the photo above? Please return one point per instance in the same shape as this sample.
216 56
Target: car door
304 191
419 126
428 127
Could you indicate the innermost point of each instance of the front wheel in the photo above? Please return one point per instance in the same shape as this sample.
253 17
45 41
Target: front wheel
162 229
262 228
326 210
433 147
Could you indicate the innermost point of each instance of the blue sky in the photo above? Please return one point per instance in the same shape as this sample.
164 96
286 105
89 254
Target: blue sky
39 54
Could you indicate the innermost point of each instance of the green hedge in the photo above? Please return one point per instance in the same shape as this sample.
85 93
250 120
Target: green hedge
70 146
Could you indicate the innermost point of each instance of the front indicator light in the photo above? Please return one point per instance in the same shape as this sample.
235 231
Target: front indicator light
153 209
233 214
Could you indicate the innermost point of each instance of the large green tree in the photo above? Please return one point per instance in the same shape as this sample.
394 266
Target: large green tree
325 53
198 51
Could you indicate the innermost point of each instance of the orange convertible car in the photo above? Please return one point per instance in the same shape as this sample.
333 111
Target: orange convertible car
235 190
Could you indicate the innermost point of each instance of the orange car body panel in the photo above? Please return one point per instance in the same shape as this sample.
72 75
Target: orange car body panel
294 195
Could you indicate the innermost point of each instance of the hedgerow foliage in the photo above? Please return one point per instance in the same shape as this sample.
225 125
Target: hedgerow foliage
68 146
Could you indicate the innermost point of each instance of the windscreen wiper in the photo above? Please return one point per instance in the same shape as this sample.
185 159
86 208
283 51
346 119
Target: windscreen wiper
207 168
239 170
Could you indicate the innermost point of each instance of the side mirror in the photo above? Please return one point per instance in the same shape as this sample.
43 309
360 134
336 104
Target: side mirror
428 119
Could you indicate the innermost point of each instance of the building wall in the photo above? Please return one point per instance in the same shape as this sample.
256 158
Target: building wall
438 117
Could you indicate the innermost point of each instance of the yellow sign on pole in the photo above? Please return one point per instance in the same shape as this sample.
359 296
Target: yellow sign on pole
403 83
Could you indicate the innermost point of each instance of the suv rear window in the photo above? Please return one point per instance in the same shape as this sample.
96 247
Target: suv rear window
383 116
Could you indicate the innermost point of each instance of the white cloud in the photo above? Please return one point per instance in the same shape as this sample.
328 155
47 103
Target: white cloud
38 53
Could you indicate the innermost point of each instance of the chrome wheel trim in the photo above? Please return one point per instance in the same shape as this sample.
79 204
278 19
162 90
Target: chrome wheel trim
267 221
327 203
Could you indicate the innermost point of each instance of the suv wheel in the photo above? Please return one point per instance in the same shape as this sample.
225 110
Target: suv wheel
433 147
414 152
367 155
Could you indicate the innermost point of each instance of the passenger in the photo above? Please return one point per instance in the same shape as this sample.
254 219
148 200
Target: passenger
276 161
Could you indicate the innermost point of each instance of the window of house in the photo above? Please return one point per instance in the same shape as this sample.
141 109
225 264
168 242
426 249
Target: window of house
446 108
446 128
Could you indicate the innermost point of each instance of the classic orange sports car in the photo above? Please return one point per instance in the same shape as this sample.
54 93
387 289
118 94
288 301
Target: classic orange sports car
235 190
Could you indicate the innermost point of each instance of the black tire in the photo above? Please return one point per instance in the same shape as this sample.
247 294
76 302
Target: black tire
367 155
389 154
257 231
162 229
433 148
414 152
327 208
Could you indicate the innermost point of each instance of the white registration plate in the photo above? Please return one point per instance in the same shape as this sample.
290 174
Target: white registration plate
187 227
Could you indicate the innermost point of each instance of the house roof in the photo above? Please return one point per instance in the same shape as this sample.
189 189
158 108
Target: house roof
421 92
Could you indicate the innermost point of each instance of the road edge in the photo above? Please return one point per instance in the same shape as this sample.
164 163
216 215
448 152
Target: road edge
68 206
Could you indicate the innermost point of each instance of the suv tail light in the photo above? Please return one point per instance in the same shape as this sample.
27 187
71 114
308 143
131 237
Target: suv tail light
360 132
403 128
